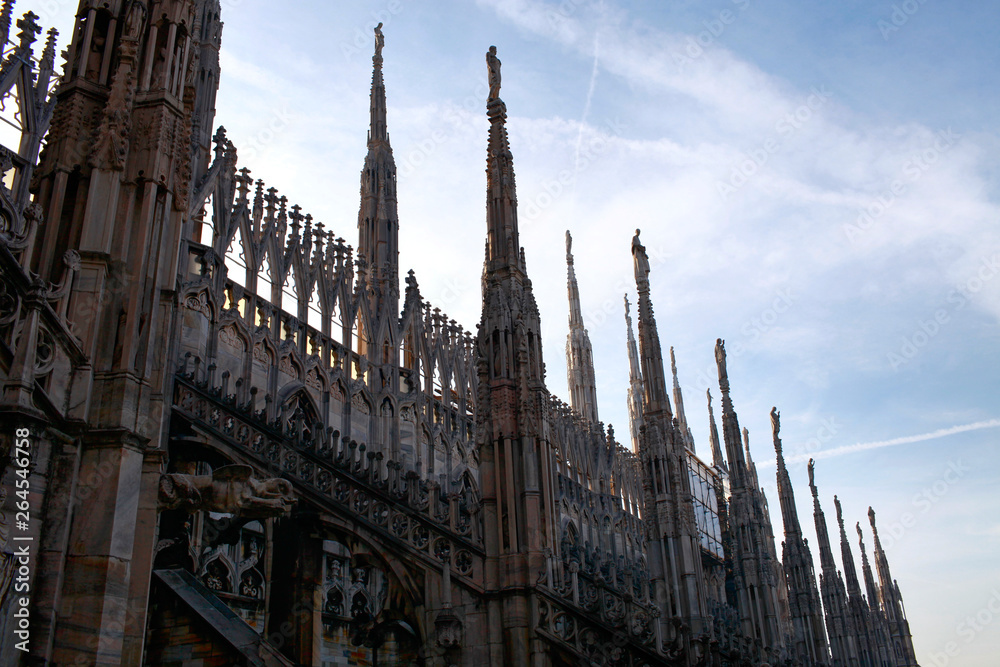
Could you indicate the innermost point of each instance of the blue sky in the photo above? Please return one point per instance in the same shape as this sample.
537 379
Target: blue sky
747 139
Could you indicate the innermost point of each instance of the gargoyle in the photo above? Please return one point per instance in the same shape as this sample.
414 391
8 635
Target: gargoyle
230 489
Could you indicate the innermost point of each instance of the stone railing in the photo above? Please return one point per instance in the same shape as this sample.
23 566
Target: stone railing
343 477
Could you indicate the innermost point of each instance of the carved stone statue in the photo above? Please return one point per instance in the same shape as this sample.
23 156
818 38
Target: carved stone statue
379 41
639 255
569 246
493 64
230 489
134 22
720 359
812 479
775 420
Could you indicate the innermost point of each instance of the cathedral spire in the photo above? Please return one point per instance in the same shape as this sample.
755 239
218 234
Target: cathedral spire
860 621
850 571
209 28
751 466
803 596
718 460
635 391
503 242
378 221
579 354
892 604
755 581
786 496
870 587
825 552
667 484
730 422
831 586
685 430
518 527
656 401
378 130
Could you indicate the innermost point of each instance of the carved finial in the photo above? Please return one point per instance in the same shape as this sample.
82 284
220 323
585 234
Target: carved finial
840 511
871 518
812 476
493 66
49 52
29 29
626 306
569 247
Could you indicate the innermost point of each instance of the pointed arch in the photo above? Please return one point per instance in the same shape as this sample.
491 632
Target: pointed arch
290 293
440 386
387 408
265 278
407 351
359 334
205 230
314 311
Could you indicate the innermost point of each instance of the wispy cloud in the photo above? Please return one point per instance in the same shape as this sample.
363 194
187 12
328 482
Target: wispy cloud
905 440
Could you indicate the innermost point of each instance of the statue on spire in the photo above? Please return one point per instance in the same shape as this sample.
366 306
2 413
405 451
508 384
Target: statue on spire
641 259
569 247
720 360
776 430
379 41
493 64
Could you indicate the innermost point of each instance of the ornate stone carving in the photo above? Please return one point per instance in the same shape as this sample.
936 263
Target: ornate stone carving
230 489
360 404
493 65
199 302
229 337
448 630
286 366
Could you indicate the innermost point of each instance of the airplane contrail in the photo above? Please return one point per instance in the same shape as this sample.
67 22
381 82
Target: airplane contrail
586 106
865 446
